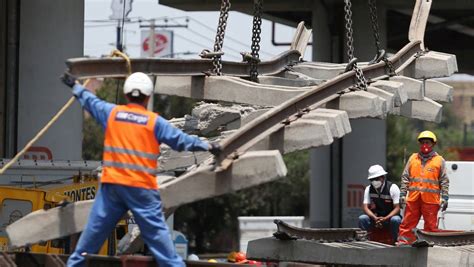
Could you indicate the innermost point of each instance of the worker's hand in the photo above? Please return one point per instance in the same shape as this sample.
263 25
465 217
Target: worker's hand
68 79
444 203
215 149
403 201
380 220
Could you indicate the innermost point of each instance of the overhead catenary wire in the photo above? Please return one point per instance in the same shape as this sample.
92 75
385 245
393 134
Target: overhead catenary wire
202 45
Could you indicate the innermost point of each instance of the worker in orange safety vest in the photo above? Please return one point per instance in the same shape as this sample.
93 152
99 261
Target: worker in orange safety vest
131 147
426 182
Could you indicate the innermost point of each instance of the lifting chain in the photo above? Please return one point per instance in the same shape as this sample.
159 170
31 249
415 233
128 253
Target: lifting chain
361 81
256 30
219 42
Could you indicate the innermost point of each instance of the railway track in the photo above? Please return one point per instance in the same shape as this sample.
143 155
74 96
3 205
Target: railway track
446 238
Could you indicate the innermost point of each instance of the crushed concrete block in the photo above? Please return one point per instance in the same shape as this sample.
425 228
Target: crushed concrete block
246 118
131 242
438 91
213 116
413 87
432 65
360 104
395 88
426 110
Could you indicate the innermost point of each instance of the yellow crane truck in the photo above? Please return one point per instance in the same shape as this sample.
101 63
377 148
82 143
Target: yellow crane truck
21 198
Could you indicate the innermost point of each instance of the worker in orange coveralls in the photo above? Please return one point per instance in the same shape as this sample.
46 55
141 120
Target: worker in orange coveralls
424 179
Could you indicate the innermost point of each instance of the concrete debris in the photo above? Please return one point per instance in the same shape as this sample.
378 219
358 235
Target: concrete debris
131 242
396 88
413 87
211 117
438 91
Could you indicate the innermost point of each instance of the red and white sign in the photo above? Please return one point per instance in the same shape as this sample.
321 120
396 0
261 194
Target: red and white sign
159 45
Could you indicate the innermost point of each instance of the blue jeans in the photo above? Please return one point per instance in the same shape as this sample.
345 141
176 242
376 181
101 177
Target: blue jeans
110 205
365 223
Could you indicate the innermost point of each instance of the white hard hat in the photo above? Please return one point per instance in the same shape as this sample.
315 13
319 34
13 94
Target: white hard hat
138 81
376 171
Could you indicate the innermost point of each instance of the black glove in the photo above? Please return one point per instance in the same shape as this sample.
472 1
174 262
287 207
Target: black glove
215 149
68 79
444 204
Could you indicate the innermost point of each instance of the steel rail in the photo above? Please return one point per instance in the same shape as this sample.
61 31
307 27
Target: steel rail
291 110
83 68
322 235
446 237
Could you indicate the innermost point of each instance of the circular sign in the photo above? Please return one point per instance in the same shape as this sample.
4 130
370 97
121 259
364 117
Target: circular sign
161 42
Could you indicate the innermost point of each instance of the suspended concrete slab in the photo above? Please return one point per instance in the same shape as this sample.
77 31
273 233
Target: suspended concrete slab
427 110
299 135
389 97
251 169
432 65
223 88
281 81
338 120
360 104
396 88
438 91
413 87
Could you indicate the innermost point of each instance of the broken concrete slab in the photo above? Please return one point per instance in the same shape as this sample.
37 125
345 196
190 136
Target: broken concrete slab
338 120
212 116
389 98
438 91
360 104
395 88
251 169
413 87
432 65
427 110
299 135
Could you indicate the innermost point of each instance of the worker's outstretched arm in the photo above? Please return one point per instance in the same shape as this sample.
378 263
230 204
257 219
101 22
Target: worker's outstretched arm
177 139
98 108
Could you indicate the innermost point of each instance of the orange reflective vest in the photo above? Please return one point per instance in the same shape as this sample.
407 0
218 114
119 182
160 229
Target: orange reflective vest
130 147
424 179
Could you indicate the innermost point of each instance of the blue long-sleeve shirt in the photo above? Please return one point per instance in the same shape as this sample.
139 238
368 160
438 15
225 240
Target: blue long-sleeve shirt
164 131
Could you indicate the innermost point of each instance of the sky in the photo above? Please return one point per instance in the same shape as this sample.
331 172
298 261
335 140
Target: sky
100 32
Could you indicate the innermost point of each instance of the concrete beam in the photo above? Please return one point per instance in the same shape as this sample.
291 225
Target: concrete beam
413 87
299 135
251 169
360 104
395 88
211 117
427 110
432 65
223 88
438 91
320 71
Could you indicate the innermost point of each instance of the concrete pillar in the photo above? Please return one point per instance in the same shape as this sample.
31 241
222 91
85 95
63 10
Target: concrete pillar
51 31
3 44
338 172
324 49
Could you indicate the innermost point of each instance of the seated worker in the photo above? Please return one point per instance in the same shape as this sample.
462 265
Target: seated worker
381 203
